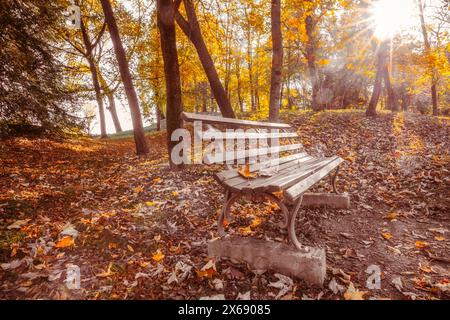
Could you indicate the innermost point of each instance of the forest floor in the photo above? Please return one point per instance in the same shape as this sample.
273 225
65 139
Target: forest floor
137 230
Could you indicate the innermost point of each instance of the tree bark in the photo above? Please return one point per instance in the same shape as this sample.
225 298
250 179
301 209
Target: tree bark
138 128
428 51
191 29
380 65
277 61
166 24
98 95
391 101
112 109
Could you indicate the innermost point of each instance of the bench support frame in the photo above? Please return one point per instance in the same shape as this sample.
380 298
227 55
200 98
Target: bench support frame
290 216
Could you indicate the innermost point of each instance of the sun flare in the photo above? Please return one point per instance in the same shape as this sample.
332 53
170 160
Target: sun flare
392 16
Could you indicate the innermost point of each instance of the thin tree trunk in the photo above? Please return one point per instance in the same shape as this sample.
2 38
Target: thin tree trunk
204 94
112 109
166 24
380 64
239 84
391 99
138 128
158 118
191 29
311 59
112 103
277 61
98 95
431 67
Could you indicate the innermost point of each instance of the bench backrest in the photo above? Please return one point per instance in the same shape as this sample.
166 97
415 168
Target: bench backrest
280 138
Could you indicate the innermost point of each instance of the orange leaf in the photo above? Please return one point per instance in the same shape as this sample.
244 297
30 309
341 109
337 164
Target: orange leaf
158 255
387 235
391 216
138 189
246 172
439 238
65 242
256 222
421 244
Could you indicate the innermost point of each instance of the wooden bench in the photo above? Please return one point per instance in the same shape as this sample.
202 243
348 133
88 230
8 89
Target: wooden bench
289 175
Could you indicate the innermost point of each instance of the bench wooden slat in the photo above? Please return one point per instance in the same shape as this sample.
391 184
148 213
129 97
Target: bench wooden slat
286 182
228 174
191 117
286 178
237 180
296 190
252 135
234 155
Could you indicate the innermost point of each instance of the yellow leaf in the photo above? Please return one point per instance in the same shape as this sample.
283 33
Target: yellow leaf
353 294
158 255
439 238
174 193
421 244
130 248
150 203
157 180
387 235
245 231
65 242
256 222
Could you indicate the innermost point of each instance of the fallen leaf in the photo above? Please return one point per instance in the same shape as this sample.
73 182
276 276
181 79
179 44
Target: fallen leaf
158 255
150 203
353 294
439 238
245 231
421 244
65 242
138 189
391 216
18 224
246 172
387 235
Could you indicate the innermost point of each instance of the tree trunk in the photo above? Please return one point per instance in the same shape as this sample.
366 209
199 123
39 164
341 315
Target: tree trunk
112 109
166 24
380 65
98 95
277 62
312 67
158 118
239 84
428 51
191 29
138 128
204 94
110 95
391 99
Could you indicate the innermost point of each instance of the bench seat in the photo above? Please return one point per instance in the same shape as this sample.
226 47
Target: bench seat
293 177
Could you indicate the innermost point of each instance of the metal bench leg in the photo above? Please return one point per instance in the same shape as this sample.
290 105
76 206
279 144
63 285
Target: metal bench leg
282 206
291 228
225 213
333 180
